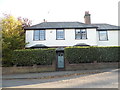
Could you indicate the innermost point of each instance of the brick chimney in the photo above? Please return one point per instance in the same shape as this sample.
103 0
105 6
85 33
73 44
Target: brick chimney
87 18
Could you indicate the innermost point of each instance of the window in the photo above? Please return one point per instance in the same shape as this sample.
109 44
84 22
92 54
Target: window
60 34
80 34
36 35
39 35
103 36
83 34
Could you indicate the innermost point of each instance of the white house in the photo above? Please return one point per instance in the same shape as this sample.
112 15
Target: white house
62 34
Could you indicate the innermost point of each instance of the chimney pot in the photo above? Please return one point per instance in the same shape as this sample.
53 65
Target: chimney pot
44 20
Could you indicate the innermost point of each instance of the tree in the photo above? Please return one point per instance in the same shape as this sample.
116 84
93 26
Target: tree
25 22
13 37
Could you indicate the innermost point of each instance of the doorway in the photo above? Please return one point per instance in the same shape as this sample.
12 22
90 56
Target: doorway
60 65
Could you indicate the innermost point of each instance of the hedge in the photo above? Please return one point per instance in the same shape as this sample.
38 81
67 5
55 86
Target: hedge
76 55
29 57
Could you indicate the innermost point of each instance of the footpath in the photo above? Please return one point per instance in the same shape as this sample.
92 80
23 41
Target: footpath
48 75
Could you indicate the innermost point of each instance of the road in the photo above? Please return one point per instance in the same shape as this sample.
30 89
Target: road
107 79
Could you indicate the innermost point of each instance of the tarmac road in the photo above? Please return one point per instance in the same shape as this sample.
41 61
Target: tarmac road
107 79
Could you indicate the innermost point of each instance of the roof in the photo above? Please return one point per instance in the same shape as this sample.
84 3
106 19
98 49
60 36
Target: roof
71 25
38 46
81 44
58 25
106 27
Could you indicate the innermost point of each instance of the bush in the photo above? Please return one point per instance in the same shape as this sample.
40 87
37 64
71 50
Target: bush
30 57
90 54
74 55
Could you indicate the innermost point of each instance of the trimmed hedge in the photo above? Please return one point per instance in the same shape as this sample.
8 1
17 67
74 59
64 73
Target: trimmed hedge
76 55
29 57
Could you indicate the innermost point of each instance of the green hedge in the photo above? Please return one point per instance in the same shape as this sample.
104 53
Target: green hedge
29 57
90 54
74 55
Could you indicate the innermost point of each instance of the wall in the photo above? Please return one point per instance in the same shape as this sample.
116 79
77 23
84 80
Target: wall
91 66
69 38
28 69
112 39
119 37
92 35
37 69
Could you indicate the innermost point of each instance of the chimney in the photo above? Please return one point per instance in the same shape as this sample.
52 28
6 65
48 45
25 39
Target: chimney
44 20
87 18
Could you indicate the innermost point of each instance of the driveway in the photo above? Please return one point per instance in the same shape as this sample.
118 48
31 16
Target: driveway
105 79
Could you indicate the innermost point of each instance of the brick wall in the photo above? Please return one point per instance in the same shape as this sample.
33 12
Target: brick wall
48 68
90 66
36 69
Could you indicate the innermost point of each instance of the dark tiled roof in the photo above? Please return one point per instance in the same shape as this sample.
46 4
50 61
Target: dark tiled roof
55 25
106 27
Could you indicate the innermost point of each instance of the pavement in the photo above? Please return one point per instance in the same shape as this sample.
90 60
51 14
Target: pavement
107 78
48 75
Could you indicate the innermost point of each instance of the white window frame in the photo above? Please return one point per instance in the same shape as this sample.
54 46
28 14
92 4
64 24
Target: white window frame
60 34
40 35
81 35
101 37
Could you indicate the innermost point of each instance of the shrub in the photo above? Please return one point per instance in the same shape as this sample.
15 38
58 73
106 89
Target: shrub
90 54
29 57
74 55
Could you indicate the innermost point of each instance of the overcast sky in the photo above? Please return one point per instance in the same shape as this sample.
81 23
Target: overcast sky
102 11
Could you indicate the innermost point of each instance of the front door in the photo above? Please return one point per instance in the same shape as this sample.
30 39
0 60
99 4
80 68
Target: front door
60 60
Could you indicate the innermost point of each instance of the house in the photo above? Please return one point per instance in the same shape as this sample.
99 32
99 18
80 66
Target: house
62 34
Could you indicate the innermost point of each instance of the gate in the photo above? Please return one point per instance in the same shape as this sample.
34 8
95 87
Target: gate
60 64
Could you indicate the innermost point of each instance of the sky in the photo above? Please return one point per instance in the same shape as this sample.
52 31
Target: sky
102 11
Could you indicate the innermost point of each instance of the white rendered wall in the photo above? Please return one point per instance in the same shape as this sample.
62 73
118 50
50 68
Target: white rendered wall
69 38
119 38
112 39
